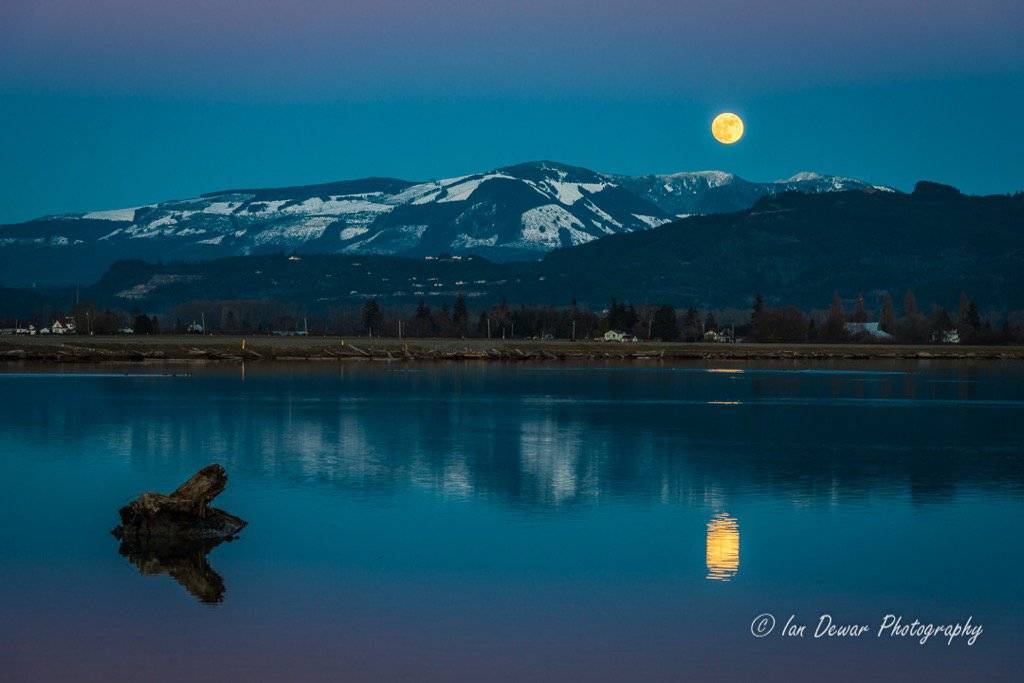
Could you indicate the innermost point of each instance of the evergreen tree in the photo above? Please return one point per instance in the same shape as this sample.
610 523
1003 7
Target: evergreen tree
834 329
692 317
481 325
443 322
460 316
106 322
664 325
710 323
968 319
618 317
142 324
909 305
422 320
372 317
631 319
860 313
938 322
962 306
691 324
887 316
756 314
912 328
974 325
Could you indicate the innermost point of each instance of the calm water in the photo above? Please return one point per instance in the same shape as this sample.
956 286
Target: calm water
486 522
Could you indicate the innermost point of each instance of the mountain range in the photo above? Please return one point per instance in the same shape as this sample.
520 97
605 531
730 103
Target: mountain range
794 248
518 212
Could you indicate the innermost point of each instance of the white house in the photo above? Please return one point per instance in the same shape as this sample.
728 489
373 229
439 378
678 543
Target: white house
65 326
870 329
718 336
616 336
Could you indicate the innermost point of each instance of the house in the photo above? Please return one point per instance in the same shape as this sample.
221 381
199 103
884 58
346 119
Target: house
950 336
63 326
718 336
616 336
867 329
194 328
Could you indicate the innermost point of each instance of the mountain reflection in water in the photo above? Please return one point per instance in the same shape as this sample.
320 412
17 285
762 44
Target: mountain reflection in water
543 437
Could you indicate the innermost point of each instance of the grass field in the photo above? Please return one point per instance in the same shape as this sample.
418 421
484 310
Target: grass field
253 348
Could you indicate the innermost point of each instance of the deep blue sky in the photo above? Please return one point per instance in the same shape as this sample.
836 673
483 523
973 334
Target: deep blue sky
115 103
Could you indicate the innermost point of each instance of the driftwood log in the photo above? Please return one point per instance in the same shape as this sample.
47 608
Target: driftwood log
172 534
183 514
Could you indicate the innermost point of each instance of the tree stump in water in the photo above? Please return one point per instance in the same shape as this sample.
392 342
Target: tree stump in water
172 534
184 514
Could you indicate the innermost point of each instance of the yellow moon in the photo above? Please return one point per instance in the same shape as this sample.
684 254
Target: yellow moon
727 128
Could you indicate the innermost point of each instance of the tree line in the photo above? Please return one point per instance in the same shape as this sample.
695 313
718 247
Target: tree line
907 323
760 323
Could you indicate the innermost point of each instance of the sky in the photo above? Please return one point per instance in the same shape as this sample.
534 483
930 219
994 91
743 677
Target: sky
117 103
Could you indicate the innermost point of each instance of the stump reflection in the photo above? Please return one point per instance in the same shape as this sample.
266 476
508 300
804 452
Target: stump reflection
184 560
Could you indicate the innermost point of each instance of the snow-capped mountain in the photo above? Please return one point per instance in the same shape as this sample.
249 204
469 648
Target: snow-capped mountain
703 192
516 212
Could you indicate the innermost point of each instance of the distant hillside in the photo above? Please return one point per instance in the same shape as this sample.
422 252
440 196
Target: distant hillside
795 248
518 212
799 248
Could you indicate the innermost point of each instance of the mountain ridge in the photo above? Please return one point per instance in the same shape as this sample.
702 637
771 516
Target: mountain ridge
794 248
516 212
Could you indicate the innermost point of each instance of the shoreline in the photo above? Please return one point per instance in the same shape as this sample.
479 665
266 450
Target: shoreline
229 348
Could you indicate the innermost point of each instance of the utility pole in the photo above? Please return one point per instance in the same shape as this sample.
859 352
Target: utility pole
399 330
488 327
574 330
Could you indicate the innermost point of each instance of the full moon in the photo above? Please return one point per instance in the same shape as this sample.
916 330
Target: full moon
727 128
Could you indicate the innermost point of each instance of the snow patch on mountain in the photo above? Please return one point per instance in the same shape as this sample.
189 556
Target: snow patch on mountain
570 193
803 176
541 226
709 178
304 230
222 208
651 221
604 216
336 206
464 241
462 191
353 232
126 215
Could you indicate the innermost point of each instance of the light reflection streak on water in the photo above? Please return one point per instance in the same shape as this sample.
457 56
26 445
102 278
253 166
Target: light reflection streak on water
722 554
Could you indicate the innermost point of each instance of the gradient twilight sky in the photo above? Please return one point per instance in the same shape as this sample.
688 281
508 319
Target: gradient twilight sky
111 103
